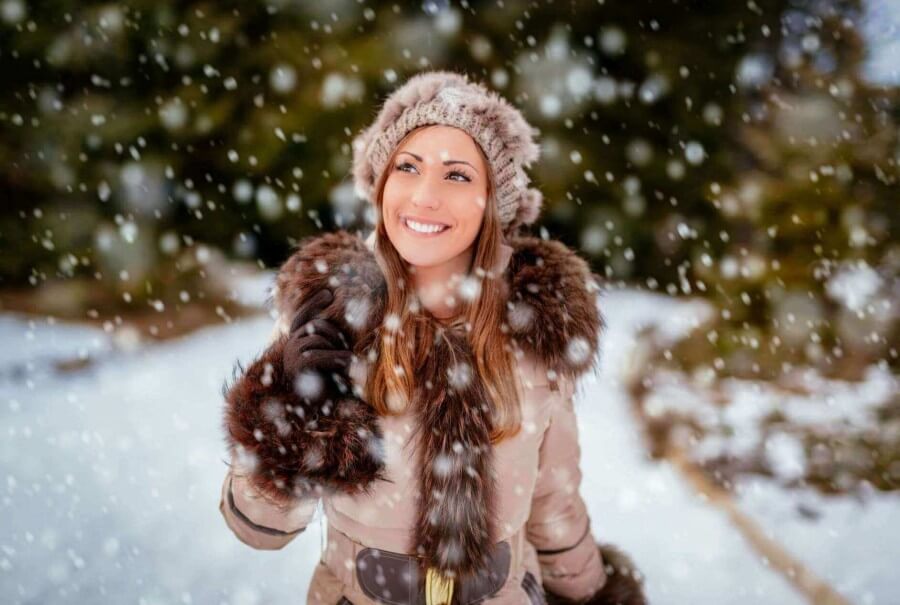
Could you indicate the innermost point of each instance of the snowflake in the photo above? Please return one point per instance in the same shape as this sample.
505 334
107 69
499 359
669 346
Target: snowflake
309 384
520 316
357 312
459 375
577 350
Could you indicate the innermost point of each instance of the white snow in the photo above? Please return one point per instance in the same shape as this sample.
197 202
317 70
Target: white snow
689 551
28 340
851 543
854 285
110 478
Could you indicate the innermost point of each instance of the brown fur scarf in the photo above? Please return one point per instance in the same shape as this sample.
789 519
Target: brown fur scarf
455 525
552 314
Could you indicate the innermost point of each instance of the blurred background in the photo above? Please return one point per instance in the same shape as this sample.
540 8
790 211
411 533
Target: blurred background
730 169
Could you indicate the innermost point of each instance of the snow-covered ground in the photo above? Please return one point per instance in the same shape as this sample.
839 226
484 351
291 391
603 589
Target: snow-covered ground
852 543
111 476
689 551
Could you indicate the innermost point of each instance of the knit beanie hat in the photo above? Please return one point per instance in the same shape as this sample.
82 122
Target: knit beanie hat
450 99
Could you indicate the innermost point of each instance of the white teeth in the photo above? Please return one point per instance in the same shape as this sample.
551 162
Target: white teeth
423 228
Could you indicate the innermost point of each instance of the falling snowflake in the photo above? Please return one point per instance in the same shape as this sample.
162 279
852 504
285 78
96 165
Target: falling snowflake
309 384
274 412
442 465
356 312
452 96
520 316
577 350
469 288
459 375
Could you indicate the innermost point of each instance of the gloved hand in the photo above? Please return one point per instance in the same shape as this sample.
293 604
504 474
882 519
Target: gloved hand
315 345
300 446
624 582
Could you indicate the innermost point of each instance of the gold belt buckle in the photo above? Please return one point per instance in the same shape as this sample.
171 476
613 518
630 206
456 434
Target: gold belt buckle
438 588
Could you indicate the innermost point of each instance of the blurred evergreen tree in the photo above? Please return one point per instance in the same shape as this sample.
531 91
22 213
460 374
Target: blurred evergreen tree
679 141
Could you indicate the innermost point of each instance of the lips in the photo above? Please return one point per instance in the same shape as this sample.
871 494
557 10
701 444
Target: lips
406 227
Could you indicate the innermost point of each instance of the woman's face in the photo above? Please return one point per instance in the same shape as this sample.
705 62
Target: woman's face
434 196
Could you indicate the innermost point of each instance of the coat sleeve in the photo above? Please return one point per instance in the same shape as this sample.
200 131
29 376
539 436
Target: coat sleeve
252 517
257 521
558 525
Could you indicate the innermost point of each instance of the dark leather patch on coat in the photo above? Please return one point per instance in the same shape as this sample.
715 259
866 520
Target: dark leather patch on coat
395 578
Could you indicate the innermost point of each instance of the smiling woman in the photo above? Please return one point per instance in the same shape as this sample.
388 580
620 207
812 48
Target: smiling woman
450 469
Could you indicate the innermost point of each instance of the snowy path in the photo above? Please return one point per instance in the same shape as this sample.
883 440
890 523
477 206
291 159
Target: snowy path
689 551
111 476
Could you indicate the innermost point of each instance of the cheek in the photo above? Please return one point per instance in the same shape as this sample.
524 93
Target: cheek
469 215
470 210
391 195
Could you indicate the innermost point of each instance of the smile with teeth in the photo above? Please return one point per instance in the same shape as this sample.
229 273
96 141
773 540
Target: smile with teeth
424 227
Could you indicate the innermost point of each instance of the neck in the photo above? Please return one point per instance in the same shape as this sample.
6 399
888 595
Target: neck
436 286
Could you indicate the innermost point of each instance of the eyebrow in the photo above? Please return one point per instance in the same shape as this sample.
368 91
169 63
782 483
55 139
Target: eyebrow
445 162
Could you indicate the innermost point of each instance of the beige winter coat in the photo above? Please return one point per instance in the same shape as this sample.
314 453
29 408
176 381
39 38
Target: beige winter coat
538 486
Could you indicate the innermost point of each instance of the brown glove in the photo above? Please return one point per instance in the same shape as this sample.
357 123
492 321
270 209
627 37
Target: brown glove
302 445
317 348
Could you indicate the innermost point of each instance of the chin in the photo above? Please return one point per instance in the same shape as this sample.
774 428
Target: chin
418 259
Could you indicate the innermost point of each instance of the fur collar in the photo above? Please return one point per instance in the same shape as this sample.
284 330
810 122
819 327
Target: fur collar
551 310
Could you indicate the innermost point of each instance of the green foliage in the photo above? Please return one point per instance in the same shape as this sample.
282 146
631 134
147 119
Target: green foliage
724 149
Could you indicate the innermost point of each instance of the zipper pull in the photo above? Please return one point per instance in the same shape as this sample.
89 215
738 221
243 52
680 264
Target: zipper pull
438 588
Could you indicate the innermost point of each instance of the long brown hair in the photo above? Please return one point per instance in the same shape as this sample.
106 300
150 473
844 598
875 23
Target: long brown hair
404 338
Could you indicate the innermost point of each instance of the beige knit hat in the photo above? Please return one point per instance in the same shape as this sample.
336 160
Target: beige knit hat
450 99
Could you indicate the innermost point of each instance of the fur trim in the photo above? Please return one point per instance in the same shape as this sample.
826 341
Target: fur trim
341 262
552 309
296 449
456 515
624 582
529 207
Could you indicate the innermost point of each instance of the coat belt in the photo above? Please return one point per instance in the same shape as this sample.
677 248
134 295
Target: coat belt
396 579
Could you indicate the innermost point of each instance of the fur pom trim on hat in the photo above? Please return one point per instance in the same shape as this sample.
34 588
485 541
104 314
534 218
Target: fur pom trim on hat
451 99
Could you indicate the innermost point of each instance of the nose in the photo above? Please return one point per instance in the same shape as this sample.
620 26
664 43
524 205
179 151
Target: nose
426 195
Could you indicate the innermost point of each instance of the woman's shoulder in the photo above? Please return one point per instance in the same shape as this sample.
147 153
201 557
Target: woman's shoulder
531 370
537 379
540 385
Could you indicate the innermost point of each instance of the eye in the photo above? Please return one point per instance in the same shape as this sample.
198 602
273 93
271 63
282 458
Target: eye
465 177
402 164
